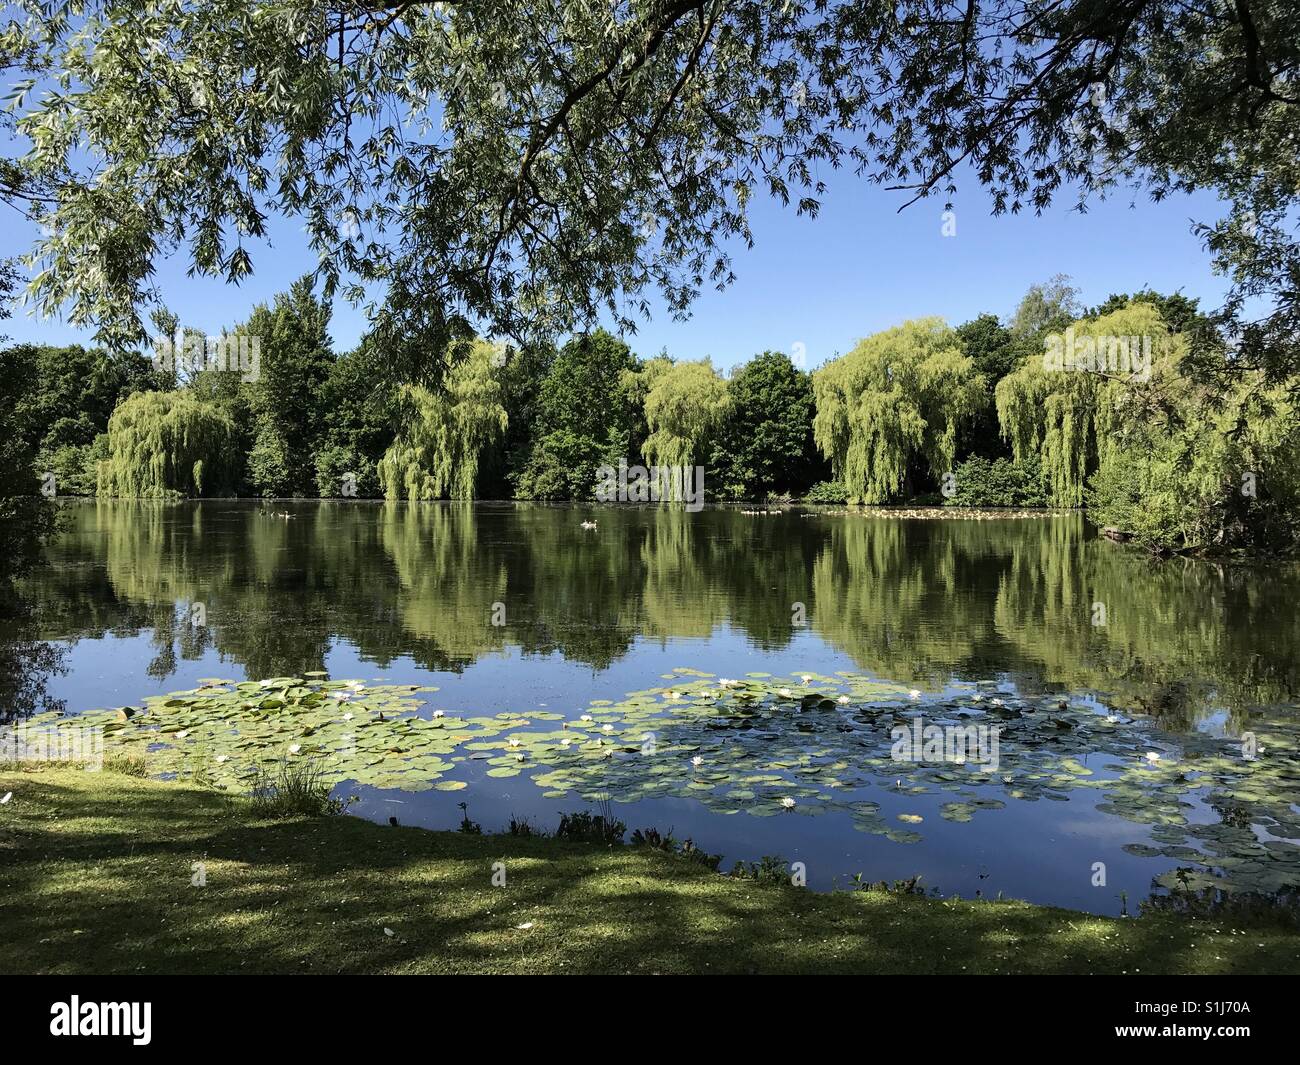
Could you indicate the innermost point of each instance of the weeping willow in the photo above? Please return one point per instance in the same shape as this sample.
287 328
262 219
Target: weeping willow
1069 406
1220 472
898 394
683 408
163 444
436 452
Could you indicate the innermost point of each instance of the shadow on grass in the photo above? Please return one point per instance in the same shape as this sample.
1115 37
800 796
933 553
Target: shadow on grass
99 873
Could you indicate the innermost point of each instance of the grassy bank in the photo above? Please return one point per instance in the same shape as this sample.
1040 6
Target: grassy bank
96 876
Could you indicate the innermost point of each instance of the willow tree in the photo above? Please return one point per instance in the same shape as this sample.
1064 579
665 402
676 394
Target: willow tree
684 406
436 452
1063 406
899 395
163 444
1205 467
522 163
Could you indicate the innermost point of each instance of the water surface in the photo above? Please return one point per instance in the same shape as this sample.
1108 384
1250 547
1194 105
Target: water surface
516 610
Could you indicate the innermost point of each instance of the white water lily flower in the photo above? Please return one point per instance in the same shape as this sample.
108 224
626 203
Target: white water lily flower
914 694
786 693
726 682
1112 718
697 761
977 697
342 697
842 700
347 716
182 734
519 757
266 683
357 686
295 748
996 702
565 742
607 728
787 803
222 758
806 678
1153 756
671 695
585 717
439 713
514 741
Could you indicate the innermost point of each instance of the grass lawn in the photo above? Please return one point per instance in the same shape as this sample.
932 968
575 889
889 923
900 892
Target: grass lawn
96 868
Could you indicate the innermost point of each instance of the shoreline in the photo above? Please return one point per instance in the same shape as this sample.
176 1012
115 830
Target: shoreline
107 873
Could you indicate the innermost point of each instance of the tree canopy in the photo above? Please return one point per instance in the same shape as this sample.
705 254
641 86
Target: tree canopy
897 395
587 415
1067 415
526 164
765 443
163 444
438 446
683 410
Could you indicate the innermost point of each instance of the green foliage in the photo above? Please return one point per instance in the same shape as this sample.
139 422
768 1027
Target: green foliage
1210 471
587 827
683 409
163 444
996 351
980 482
586 416
334 463
360 409
67 394
1045 308
765 443
1065 417
897 395
26 518
75 466
728 101
771 869
437 450
296 788
832 492
285 400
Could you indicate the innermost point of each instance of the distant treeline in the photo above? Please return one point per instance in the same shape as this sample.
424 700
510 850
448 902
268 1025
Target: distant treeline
1116 418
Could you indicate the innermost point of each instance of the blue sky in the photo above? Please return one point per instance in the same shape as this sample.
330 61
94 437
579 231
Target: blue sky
859 267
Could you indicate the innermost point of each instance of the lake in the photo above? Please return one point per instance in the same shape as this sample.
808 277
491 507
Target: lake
1144 715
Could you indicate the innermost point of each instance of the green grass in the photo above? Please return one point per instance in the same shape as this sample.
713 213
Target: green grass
96 868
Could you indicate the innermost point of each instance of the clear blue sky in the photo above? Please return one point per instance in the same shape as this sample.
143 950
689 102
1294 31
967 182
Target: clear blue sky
857 268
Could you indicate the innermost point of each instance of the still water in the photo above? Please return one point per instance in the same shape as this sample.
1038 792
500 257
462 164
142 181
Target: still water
1125 693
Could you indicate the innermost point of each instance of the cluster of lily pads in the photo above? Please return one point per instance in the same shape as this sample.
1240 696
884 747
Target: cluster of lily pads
761 745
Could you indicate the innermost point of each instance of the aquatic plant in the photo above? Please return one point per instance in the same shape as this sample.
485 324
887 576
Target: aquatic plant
587 827
293 789
756 749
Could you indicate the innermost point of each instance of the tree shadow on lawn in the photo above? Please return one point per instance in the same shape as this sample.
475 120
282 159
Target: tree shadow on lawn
99 875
